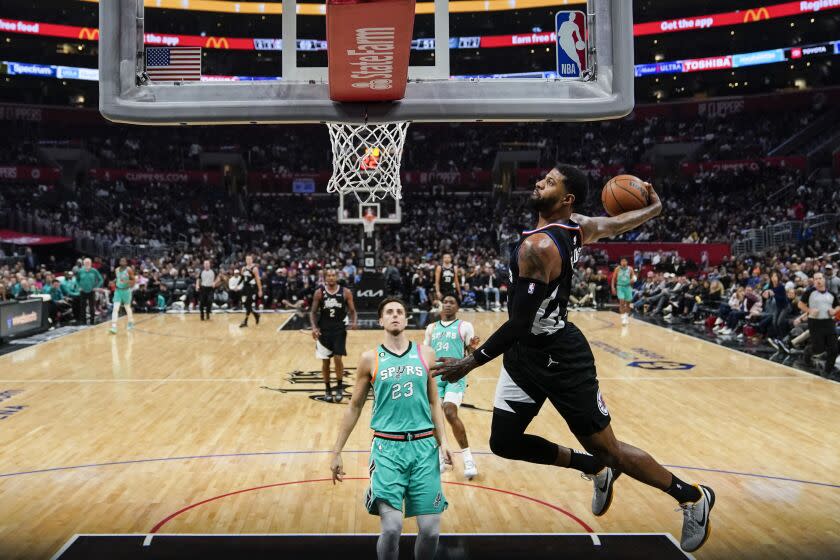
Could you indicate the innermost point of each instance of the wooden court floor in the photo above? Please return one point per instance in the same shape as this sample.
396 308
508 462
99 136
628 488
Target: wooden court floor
139 432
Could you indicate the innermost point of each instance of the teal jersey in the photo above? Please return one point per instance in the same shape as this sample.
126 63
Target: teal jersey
446 340
123 279
400 392
623 276
70 288
89 280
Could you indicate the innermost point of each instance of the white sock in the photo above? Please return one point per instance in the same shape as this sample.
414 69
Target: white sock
466 454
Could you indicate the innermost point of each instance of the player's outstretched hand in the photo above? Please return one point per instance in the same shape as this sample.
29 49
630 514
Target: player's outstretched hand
474 342
316 333
337 469
451 369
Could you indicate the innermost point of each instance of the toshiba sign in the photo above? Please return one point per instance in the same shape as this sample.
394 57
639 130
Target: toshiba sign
711 63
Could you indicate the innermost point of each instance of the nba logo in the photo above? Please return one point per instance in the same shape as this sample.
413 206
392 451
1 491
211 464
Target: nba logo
570 26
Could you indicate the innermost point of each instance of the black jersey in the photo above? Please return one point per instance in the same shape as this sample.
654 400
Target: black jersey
249 278
447 280
333 309
552 314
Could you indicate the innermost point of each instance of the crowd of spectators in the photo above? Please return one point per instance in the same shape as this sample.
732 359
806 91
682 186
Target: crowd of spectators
294 243
712 207
755 300
171 229
429 147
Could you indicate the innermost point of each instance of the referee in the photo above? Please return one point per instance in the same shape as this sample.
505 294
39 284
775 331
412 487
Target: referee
821 307
205 284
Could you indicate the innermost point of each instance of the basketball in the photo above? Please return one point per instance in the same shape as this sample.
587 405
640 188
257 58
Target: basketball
580 45
624 193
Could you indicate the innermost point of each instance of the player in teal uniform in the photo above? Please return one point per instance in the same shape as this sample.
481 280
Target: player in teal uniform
622 280
408 431
453 338
124 281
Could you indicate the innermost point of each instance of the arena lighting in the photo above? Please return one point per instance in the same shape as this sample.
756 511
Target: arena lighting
276 8
266 44
691 23
273 44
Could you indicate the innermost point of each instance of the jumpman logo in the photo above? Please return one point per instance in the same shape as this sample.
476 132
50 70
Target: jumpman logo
551 361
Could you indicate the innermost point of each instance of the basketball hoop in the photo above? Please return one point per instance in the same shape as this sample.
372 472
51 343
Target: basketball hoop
366 159
368 222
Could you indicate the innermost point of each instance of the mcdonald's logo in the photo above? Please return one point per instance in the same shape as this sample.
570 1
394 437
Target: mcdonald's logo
756 14
89 34
216 43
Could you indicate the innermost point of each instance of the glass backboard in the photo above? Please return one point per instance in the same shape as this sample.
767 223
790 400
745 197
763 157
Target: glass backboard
493 60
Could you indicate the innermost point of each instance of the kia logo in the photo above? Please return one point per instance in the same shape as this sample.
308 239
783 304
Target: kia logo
371 293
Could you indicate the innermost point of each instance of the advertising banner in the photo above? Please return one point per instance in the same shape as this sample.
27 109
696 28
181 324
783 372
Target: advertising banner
737 17
793 162
689 251
139 176
19 238
22 318
28 174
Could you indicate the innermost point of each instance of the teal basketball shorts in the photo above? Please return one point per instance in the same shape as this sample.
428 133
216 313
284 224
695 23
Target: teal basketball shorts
624 293
452 392
405 472
122 296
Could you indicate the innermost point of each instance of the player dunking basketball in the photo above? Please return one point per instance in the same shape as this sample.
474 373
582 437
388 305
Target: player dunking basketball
446 278
547 357
331 305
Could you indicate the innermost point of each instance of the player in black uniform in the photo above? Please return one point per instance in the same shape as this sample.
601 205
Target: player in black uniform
546 357
331 305
446 279
251 289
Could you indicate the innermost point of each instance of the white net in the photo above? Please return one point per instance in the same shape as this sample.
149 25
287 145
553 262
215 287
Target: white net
366 159
369 222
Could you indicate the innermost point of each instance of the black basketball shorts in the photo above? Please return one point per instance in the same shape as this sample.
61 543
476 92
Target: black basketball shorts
562 370
331 343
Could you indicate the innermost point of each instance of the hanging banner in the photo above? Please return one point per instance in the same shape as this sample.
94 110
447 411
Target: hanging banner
139 176
28 174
